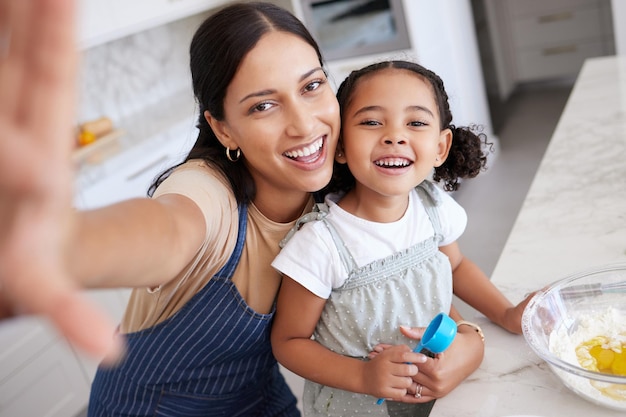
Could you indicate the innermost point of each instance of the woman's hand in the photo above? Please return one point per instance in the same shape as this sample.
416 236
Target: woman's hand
37 87
438 376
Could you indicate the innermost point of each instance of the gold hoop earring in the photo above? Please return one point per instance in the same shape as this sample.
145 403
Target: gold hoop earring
237 155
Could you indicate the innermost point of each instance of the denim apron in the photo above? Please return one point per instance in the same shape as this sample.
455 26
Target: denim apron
211 358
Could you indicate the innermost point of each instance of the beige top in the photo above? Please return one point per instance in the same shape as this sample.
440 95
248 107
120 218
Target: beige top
254 277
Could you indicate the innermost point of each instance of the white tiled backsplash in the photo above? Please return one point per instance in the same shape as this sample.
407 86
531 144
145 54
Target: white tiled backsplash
143 84
124 78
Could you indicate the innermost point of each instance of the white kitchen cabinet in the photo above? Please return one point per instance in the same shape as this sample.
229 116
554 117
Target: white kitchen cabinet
101 21
537 40
130 173
39 373
95 22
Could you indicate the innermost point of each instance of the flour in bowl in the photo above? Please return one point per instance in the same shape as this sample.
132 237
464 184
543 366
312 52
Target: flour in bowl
598 343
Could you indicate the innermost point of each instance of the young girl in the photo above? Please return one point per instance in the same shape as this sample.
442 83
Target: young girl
384 254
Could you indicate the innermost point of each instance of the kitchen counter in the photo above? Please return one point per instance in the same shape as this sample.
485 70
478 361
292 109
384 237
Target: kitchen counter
147 146
573 219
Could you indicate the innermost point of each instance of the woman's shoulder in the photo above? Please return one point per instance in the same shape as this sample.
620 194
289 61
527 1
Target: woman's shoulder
196 177
199 168
208 189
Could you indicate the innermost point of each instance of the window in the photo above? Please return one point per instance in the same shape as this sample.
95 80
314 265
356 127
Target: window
348 28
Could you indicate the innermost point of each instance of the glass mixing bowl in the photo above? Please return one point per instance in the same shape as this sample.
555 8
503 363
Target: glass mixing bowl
573 311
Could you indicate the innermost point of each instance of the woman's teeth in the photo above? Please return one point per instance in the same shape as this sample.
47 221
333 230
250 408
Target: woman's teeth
306 151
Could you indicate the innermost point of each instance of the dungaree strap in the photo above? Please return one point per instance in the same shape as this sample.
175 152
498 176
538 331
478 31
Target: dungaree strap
319 213
345 255
227 270
430 200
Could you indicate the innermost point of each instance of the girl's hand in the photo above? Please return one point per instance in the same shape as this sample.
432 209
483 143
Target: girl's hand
37 87
513 316
439 375
390 372
379 348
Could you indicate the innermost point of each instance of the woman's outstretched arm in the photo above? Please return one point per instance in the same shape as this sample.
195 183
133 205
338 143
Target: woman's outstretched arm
48 250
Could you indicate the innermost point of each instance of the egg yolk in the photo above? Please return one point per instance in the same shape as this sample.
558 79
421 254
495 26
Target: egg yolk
618 367
600 354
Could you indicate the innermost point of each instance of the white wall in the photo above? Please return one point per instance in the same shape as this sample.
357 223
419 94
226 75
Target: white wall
444 40
619 25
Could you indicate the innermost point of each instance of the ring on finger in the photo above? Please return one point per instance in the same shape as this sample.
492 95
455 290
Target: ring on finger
418 391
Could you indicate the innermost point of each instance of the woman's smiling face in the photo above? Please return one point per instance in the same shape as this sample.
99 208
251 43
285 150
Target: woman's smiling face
282 113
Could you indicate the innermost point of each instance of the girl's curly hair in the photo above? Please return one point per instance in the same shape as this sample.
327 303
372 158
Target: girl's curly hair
469 149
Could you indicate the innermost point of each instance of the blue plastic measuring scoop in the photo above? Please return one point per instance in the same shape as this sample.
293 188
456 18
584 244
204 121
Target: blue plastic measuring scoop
438 337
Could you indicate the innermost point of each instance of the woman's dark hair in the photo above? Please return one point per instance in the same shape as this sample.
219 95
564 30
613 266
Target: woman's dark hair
467 155
217 49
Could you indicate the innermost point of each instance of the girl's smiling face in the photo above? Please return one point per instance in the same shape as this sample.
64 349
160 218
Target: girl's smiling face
391 135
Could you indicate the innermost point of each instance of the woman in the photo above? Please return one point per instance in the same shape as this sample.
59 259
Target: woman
198 337
202 245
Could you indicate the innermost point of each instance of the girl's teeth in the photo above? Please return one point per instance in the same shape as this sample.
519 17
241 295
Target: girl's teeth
393 162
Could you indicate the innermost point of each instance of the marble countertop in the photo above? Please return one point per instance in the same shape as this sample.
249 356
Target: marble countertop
573 219
143 136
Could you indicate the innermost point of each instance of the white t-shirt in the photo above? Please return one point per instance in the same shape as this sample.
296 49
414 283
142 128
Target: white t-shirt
312 259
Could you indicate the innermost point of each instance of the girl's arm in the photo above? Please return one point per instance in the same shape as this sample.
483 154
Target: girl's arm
297 313
474 287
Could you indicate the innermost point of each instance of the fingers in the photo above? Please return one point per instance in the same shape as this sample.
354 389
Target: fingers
389 374
416 394
52 56
399 387
381 347
87 327
84 325
378 349
403 354
417 390
12 28
14 32
37 91
415 333
43 289
6 308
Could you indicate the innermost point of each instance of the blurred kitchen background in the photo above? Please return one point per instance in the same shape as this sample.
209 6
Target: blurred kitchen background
508 66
